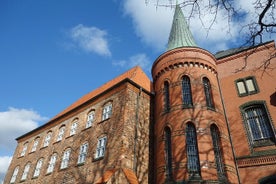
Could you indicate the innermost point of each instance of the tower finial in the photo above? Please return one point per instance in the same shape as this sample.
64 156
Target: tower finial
180 35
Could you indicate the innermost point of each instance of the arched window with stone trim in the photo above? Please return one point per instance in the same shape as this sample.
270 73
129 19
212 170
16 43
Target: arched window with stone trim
208 92
218 151
166 96
192 151
168 153
186 92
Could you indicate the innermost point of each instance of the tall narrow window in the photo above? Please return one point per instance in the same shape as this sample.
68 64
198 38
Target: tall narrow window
166 96
47 139
107 111
24 149
192 151
100 147
35 144
65 159
258 124
14 175
52 163
83 153
218 151
60 133
208 92
186 92
168 154
38 167
26 171
90 119
74 128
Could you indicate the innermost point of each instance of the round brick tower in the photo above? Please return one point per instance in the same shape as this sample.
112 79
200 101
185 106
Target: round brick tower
192 144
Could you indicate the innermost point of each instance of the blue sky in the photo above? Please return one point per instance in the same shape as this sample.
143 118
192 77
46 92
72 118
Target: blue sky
53 52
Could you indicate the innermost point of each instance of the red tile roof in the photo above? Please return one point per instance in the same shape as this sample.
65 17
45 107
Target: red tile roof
135 74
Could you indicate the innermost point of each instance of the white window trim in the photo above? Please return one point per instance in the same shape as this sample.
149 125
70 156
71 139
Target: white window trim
101 147
14 175
25 172
83 153
65 159
107 111
52 163
73 129
38 167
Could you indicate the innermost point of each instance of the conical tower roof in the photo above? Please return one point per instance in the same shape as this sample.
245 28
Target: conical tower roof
180 35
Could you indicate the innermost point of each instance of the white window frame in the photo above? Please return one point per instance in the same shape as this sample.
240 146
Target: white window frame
107 111
83 153
101 147
26 171
14 175
52 163
74 128
24 149
60 133
90 119
35 144
65 159
38 167
47 139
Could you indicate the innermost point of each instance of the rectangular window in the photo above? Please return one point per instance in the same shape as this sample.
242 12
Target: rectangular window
83 153
258 125
107 111
100 147
65 159
246 86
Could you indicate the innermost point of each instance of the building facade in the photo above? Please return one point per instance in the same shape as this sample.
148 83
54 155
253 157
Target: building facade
203 118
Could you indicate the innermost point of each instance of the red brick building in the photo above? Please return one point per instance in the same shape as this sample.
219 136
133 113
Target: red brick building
203 119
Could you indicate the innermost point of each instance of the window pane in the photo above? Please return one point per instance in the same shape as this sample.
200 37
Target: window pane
250 85
168 153
192 149
166 96
186 91
241 87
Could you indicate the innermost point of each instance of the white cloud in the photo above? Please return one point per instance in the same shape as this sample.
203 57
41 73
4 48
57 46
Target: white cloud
4 163
139 59
14 123
153 26
90 39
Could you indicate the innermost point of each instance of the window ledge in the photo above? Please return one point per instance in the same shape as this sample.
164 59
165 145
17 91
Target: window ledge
97 159
103 120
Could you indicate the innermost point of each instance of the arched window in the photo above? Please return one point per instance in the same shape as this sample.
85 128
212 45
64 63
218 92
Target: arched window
192 151
65 159
168 153
47 139
166 96
52 163
26 171
38 167
90 119
107 111
101 146
24 149
186 92
35 144
14 175
83 153
61 132
259 126
208 92
74 128
218 151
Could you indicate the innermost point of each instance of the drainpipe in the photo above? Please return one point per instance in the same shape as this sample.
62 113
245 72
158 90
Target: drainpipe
228 128
136 129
